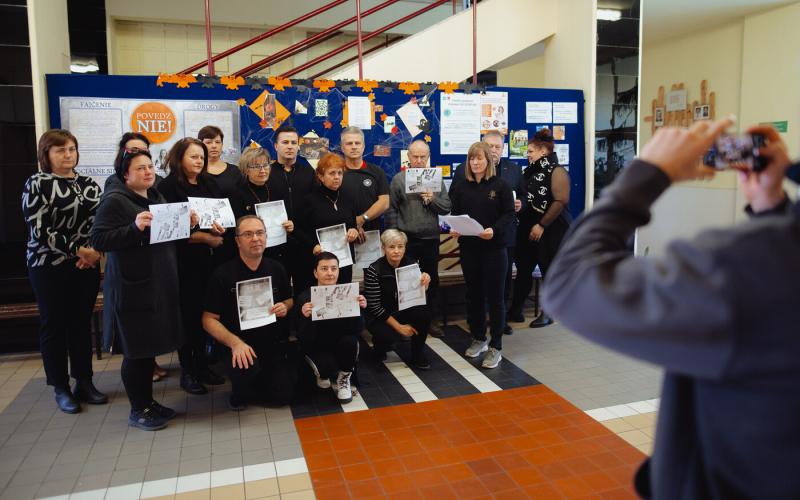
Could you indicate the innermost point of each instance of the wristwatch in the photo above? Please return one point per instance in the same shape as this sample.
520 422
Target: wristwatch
365 216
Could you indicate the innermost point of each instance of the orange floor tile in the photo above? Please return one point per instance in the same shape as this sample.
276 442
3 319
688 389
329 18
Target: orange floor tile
518 443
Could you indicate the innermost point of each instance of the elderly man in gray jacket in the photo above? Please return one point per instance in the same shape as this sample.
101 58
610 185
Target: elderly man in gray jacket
417 215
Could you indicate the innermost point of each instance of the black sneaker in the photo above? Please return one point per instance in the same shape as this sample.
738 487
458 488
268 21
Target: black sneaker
515 316
435 331
147 420
66 401
421 361
208 376
192 385
237 403
162 410
507 330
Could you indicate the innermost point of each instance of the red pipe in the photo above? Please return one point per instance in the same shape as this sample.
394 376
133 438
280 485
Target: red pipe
360 44
348 45
454 7
347 61
263 36
474 42
210 61
257 66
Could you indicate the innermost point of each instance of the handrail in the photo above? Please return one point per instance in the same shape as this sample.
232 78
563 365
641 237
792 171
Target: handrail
287 53
348 61
349 45
210 59
263 36
259 65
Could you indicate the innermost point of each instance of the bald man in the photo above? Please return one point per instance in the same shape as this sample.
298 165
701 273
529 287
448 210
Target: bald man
417 215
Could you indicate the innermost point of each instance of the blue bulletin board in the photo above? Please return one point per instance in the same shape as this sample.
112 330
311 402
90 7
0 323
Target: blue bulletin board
386 97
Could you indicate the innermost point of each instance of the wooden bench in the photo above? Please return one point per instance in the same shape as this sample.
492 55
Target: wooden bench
31 310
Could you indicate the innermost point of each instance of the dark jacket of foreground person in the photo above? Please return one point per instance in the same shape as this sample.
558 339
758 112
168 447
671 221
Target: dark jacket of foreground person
719 313
141 303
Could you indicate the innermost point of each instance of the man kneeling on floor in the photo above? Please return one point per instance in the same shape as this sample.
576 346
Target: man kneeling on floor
246 309
327 332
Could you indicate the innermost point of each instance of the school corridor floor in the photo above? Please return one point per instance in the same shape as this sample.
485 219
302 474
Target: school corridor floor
560 418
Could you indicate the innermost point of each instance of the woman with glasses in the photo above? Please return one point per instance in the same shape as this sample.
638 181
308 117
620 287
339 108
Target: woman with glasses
141 317
254 165
327 206
188 162
59 206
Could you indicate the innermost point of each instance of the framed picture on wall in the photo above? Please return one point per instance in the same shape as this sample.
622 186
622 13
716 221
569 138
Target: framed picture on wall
658 119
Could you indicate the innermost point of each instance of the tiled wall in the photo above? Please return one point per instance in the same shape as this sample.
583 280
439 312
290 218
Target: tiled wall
617 94
17 145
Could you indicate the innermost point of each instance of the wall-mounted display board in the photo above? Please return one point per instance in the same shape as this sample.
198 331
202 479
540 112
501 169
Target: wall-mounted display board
99 108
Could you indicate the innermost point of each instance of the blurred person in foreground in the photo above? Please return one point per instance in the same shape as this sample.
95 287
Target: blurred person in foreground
717 312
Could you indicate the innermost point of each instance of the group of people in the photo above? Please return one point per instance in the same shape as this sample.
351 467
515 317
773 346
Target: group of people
171 296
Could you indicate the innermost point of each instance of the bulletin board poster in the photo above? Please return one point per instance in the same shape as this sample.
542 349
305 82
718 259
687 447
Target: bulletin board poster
98 124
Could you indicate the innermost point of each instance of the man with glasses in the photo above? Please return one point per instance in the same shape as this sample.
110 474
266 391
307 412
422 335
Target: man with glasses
238 314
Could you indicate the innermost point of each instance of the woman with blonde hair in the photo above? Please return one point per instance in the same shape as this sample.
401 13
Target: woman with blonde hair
485 197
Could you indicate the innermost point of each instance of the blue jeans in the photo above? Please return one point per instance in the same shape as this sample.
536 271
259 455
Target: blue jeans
484 269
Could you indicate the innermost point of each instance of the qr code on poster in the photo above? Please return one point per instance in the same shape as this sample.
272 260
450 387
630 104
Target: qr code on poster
321 107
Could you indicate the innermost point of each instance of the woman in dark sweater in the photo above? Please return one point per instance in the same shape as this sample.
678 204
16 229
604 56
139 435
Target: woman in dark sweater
485 197
385 321
141 316
325 207
59 206
254 189
330 345
187 177
543 220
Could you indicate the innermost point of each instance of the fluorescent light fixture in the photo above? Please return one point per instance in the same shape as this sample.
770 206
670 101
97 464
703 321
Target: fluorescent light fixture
609 15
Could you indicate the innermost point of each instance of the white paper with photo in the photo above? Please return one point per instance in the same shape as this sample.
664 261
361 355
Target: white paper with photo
463 224
254 301
494 112
213 209
423 180
562 152
411 116
538 112
369 251
359 112
334 239
273 213
460 125
170 222
410 291
388 124
565 112
334 301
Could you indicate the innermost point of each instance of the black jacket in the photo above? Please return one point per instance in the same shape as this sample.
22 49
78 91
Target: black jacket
318 211
292 187
491 203
380 289
318 334
141 301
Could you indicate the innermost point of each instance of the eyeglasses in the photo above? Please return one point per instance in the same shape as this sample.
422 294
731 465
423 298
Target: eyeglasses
265 166
248 235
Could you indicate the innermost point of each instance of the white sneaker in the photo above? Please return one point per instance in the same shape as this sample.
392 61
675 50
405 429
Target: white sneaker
342 388
322 383
492 359
476 348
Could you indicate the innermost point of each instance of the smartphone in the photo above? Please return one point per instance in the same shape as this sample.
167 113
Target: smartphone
739 151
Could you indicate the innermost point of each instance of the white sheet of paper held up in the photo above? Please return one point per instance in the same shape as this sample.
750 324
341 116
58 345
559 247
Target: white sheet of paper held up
334 301
170 222
463 224
273 213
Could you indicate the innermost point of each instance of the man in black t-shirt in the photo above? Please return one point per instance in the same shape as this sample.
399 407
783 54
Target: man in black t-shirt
364 184
247 302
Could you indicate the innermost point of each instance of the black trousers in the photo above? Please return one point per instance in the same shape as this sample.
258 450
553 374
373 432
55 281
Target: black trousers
274 376
298 263
137 377
334 354
484 269
529 254
384 336
192 355
426 251
65 296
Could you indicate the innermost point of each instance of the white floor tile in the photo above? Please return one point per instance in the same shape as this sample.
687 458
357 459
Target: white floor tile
227 477
159 488
289 467
193 482
259 472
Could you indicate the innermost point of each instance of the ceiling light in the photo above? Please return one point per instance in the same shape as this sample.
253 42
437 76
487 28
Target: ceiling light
609 14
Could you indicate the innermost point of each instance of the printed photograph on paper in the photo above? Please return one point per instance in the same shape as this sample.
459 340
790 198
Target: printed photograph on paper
254 300
410 291
170 222
369 251
213 209
423 180
273 213
334 239
334 301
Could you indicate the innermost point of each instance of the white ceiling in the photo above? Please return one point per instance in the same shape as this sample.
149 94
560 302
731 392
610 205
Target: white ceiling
662 19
